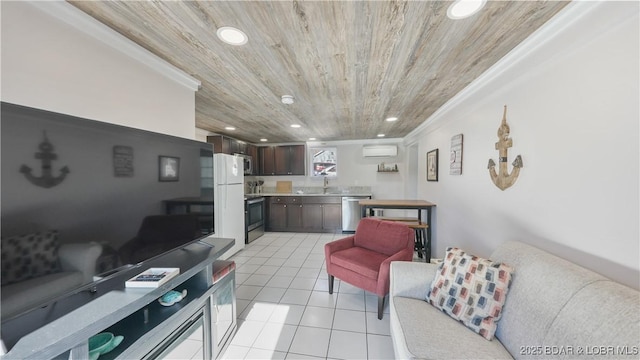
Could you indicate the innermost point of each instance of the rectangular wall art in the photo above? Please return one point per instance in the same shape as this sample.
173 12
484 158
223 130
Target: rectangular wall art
432 165
169 168
455 157
122 161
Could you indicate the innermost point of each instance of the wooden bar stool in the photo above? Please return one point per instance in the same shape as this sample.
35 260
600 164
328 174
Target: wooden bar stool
422 243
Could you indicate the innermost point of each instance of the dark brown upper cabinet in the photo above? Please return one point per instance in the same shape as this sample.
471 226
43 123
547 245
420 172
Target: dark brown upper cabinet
282 160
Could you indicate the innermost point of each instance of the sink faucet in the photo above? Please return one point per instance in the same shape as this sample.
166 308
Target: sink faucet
326 184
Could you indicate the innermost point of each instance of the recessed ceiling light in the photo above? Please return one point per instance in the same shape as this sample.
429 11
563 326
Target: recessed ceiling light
295 126
461 9
287 99
232 36
312 139
263 140
380 135
229 128
391 119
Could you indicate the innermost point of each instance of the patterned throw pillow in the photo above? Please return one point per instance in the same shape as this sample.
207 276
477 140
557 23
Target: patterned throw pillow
28 256
471 290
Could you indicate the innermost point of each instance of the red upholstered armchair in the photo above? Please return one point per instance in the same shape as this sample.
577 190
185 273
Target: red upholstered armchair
363 259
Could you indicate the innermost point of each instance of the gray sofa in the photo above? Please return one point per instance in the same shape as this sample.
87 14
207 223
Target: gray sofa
554 309
77 267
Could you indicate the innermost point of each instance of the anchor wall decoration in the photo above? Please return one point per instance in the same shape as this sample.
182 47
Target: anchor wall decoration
46 157
503 179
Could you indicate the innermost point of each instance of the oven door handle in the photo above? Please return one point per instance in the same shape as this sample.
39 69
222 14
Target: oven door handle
255 201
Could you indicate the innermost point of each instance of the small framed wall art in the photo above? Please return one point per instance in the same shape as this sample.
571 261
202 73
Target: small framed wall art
455 157
169 168
432 165
122 161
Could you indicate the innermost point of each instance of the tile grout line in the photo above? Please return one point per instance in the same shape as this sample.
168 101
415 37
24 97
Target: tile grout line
311 249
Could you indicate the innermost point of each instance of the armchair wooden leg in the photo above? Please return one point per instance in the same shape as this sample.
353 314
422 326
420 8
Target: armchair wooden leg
331 277
380 306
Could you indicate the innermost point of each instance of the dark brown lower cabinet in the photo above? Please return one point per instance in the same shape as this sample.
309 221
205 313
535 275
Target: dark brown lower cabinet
294 217
332 217
312 217
304 213
276 216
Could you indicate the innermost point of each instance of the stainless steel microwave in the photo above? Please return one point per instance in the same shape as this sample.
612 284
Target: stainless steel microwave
248 163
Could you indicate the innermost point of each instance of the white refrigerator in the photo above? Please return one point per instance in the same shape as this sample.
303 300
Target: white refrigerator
228 201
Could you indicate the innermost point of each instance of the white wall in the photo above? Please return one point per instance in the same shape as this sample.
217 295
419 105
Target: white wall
50 65
573 110
355 170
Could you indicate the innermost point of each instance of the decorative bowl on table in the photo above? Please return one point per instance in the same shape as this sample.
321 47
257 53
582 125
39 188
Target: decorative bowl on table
102 343
172 297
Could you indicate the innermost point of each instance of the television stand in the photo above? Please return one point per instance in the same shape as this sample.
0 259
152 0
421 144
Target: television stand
149 329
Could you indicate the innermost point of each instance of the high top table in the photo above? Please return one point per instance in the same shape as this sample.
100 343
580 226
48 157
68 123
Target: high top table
371 204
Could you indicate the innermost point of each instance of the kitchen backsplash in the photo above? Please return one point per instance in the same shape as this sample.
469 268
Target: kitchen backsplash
320 190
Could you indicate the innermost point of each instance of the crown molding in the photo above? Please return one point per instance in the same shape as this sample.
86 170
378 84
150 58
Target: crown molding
86 24
571 14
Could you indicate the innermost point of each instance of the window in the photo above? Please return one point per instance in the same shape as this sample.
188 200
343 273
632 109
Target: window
324 162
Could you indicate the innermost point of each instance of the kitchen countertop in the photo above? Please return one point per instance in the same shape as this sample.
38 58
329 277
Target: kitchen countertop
248 196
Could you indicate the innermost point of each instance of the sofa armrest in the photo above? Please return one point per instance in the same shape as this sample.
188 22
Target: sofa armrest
80 257
411 279
404 255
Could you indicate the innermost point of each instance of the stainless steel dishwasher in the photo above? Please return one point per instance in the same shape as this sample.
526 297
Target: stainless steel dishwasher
351 212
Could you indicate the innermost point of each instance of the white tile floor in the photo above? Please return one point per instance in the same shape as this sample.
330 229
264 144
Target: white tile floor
286 312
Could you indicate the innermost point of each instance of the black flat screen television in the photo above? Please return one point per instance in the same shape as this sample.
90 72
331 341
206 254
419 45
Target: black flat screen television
80 194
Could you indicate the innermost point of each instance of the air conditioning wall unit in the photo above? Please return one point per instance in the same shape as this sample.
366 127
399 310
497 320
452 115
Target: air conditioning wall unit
379 150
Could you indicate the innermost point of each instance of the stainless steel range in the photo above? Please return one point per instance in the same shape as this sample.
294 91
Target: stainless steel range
254 210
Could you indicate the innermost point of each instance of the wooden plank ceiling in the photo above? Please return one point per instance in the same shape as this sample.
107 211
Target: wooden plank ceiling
349 65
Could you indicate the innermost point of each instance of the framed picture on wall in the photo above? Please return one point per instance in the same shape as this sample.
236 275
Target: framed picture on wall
455 156
432 165
122 161
169 168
